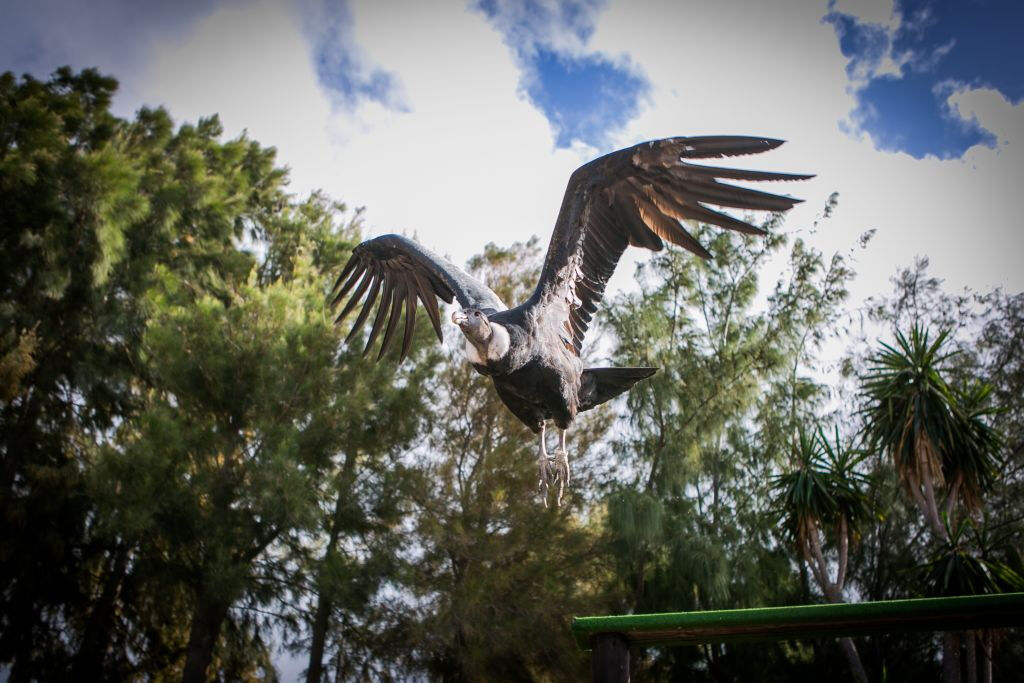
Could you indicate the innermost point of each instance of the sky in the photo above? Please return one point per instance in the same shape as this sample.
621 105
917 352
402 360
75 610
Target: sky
459 123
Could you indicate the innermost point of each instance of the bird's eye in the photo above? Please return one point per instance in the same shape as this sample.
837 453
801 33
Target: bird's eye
477 314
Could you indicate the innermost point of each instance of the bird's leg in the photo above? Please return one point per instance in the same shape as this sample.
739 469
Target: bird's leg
561 464
544 467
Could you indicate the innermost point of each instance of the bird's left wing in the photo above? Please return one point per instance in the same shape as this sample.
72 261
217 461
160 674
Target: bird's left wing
400 271
637 196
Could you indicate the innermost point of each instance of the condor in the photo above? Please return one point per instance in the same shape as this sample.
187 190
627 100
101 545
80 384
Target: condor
633 197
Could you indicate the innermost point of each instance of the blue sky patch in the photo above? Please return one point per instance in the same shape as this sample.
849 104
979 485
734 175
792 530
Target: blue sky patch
584 98
937 47
339 71
585 95
340 63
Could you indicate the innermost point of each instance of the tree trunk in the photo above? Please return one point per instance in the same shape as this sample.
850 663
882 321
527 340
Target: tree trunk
986 656
315 669
206 622
844 553
834 594
324 605
853 659
950 657
950 640
931 510
88 662
972 656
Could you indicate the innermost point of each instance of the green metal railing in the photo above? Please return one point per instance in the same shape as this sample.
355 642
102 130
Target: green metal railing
609 638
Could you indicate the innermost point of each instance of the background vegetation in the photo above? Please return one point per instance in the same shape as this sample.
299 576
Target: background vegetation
198 480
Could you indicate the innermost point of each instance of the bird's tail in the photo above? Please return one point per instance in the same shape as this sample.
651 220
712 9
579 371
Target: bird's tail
602 384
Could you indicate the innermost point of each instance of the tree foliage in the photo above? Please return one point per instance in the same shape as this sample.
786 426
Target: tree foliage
694 528
197 472
494 575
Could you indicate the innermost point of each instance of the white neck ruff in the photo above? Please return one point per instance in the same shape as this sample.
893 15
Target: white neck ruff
495 349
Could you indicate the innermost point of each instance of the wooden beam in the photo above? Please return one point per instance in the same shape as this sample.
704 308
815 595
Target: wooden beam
806 621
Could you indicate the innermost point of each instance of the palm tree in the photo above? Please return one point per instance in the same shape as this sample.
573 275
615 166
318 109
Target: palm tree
823 499
966 565
938 437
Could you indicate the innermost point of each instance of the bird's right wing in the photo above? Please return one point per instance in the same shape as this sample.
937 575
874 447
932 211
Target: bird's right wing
638 196
400 271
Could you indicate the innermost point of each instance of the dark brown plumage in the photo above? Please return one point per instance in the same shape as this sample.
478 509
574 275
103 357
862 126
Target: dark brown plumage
633 197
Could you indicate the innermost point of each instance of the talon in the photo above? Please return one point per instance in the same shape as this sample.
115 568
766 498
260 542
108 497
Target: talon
544 473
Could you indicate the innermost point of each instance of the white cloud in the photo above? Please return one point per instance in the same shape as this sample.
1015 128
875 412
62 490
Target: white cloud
558 25
878 22
251 65
775 69
882 12
470 160
993 112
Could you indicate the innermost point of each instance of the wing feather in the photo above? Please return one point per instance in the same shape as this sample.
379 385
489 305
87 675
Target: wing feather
668 228
352 279
410 320
345 272
397 300
639 234
602 241
354 299
716 146
430 303
703 190
367 307
687 169
697 212
382 311
638 196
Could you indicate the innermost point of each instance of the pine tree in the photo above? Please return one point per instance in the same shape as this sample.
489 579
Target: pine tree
70 200
690 522
176 401
491 575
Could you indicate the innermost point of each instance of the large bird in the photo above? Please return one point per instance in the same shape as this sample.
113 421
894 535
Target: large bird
633 197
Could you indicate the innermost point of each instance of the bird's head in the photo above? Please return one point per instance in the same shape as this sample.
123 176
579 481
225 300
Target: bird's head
473 323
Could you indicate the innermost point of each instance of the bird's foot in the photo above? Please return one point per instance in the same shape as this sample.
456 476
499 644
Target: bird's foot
561 469
546 475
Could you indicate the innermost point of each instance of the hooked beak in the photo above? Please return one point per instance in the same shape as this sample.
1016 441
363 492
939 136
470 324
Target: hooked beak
460 318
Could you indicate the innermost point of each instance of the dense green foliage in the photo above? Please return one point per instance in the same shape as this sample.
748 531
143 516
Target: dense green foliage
201 481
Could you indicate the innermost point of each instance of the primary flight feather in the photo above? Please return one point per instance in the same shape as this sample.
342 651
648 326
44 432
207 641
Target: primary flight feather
633 197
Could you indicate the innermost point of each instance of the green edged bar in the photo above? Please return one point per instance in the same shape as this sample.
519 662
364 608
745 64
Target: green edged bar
806 621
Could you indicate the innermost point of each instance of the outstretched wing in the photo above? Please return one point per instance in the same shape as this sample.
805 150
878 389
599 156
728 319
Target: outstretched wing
400 271
637 196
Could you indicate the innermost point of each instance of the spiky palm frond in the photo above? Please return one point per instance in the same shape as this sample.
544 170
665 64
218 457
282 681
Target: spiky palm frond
975 453
823 486
848 485
963 566
910 408
930 429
